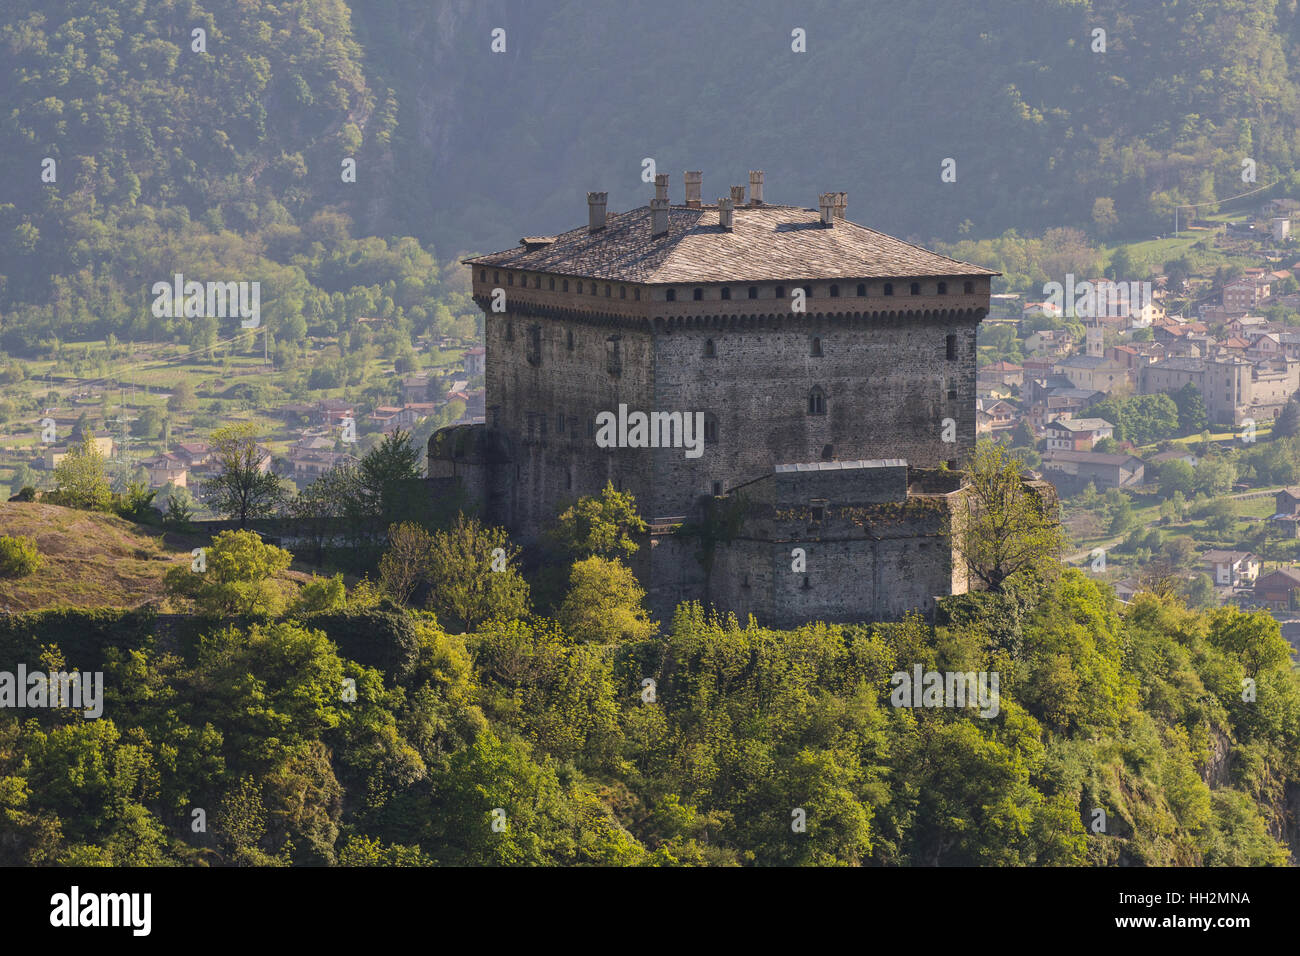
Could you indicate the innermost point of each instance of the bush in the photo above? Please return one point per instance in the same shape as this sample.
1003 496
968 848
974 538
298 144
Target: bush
18 557
26 493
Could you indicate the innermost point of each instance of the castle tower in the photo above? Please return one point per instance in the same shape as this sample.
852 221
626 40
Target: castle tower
790 334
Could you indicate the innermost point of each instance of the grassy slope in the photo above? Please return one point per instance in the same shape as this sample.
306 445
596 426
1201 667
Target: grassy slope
91 559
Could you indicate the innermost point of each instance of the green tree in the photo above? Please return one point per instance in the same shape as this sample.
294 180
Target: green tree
1176 476
1003 526
244 488
237 577
600 525
472 576
1214 475
80 480
182 398
1192 416
604 603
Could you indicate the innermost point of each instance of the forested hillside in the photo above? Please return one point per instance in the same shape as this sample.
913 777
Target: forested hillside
523 743
229 160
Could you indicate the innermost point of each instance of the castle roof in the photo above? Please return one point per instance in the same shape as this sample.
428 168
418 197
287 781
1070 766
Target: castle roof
768 242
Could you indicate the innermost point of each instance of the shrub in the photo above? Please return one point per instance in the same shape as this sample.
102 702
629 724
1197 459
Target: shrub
18 556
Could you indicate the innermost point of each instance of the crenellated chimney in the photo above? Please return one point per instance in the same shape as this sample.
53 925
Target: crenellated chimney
841 204
756 187
726 214
596 211
659 216
827 203
694 188
661 186
738 195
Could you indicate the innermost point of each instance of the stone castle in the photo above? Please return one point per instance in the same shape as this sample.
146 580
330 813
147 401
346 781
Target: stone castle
830 367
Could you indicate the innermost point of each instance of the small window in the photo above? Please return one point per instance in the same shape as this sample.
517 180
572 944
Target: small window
753 292
710 350
726 293
952 348
968 287
835 291
537 282
591 428
614 356
952 394
717 489
510 332
916 288
807 292
622 292
559 423
889 288
568 480
482 275
818 512
568 340
816 401
862 289
566 285
552 283
671 295
510 278
496 278
710 428
607 295
816 347
636 294
780 292
697 295
828 452
943 288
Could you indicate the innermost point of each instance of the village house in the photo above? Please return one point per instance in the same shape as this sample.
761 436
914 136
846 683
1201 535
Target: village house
474 361
1073 470
1277 590
166 469
56 453
1001 373
1077 434
1248 292
995 416
1231 568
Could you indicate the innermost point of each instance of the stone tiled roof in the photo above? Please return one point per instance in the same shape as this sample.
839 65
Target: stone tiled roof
768 242
841 465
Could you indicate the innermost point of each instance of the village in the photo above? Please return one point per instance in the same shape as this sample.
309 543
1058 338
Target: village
1164 425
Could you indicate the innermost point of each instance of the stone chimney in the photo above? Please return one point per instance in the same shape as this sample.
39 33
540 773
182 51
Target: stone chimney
596 211
827 203
726 214
694 188
756 187
841 204
738 195
661 186
659 216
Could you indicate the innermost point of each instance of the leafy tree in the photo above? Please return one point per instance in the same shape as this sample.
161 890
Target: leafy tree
1003 527
403 570
604 603
80 480
318 595
182 398
1176 476
239 577
243 489
1214 475
1287 424
600 525
1192 416
472 576
19 556
385 473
